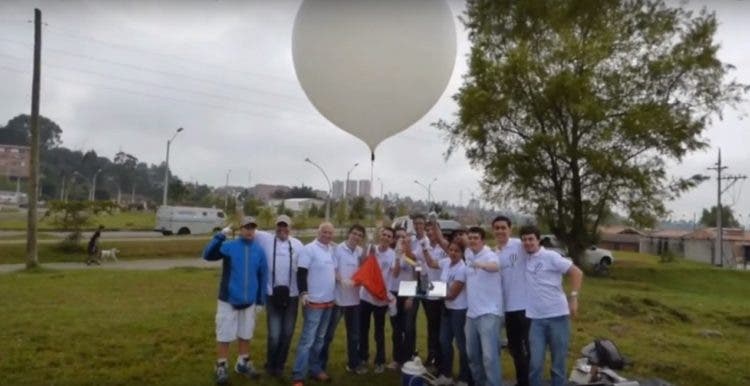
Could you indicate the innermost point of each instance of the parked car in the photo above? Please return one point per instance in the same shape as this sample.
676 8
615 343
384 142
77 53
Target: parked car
599 258
447 227
185 220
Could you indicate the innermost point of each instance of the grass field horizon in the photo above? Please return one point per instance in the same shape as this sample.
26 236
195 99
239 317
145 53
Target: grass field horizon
137 327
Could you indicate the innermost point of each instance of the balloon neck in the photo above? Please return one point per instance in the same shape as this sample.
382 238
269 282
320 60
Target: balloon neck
372 157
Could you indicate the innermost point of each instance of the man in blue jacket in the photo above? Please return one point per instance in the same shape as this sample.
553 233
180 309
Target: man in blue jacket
243 287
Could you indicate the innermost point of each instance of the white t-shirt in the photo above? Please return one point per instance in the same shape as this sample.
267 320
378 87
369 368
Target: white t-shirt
544 272
347 264
266 239
386 259
450 274
483 289
513 271
321 271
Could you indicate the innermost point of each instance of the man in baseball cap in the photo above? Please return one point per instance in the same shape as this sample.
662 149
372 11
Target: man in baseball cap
243 287
282 253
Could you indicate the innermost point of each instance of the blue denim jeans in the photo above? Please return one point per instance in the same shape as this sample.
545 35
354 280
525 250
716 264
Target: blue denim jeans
555 333
351 320
483 349
281 322
452 324
311 342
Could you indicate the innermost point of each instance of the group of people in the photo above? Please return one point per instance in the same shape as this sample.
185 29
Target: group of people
518 284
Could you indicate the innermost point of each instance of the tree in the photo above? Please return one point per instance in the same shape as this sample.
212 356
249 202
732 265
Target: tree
73 216
266 217
359 209
572 108
17 132
301 192
708 217
252 206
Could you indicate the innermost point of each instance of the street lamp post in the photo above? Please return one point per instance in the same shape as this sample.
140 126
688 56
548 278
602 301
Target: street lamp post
226 189
428 188
328 196
92 194
166 171
381 188
346 188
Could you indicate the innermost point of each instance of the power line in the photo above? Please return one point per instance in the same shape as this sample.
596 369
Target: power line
155 71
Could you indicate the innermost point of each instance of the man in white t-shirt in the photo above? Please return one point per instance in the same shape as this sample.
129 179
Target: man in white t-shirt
370 306
485 310
282 253
547 306
316 280
348 257
513 272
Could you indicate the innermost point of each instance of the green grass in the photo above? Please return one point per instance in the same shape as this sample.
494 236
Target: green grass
118 221
131 327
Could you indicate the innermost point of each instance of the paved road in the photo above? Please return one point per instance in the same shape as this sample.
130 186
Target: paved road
149 265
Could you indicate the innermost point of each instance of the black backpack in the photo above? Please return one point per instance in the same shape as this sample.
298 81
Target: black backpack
607 355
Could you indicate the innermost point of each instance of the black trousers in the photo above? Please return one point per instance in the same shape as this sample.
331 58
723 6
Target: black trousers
366 310
517 328
404 326
433 310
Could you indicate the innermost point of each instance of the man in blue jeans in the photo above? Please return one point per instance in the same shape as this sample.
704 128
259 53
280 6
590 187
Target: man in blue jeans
316 280
348 257
485 310
547 306
282 253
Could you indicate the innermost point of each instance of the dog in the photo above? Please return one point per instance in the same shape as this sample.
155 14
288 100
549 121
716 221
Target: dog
110 254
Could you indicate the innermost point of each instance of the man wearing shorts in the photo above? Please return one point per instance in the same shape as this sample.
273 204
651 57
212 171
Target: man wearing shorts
242 287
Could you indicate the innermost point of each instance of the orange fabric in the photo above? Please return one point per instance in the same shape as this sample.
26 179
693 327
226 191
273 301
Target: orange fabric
370 276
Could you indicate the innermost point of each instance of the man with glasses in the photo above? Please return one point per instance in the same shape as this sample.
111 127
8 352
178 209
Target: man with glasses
547 306
485 310
282 253
513 272
243 283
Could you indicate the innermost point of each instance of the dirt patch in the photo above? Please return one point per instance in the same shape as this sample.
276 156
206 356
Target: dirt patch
651 309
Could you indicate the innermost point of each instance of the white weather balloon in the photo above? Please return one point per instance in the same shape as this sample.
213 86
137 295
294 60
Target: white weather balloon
373 68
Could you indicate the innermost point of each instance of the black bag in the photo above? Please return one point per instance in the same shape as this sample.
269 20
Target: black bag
280 294
608 354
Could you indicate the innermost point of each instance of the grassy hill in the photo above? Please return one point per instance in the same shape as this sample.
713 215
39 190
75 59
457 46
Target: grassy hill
125 328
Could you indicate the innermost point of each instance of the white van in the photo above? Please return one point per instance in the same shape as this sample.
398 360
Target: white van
185 220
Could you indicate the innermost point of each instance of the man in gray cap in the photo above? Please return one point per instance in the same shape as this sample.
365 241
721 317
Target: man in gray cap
282 252
244 280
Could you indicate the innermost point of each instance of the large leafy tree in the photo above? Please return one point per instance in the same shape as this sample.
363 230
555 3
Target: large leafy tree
573 107
708 217
17 132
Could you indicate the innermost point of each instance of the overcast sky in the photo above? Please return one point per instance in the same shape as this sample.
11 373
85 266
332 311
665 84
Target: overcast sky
125 75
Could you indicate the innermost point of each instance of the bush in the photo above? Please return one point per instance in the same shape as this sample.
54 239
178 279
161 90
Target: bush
668 257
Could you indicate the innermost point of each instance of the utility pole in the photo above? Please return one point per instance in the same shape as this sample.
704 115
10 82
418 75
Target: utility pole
226 190
719 191
32 258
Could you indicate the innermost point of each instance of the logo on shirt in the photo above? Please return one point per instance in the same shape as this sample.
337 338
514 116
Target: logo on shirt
537 267
513 259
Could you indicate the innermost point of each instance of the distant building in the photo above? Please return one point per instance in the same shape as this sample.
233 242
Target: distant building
265 192
338 189
297 205
620 238
351 188
699 245
364 188
14 161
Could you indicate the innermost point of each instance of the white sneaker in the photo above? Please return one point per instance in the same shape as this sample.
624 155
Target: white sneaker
443 380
